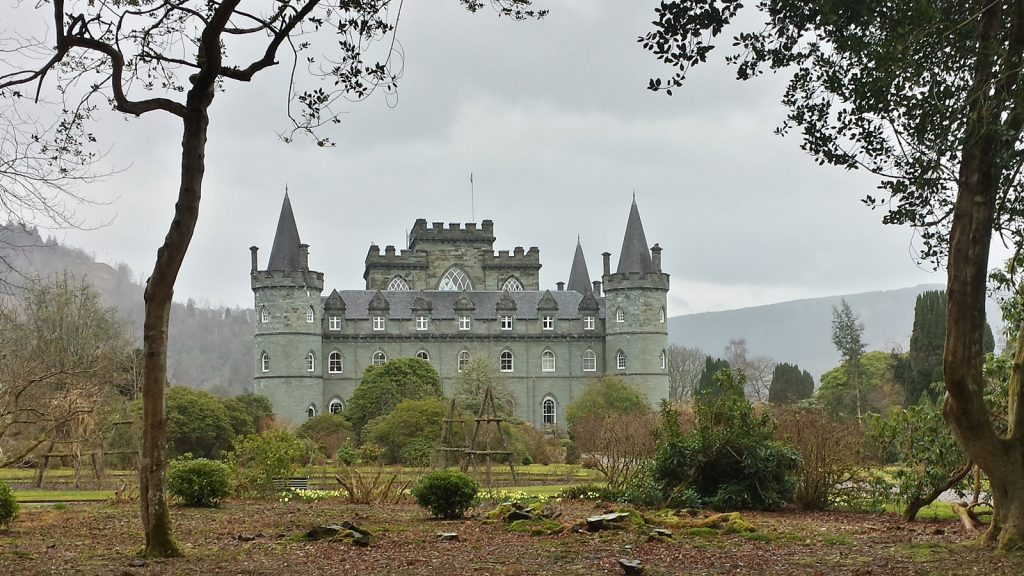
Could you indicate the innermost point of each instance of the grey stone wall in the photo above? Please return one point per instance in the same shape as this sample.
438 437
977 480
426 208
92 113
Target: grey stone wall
643 335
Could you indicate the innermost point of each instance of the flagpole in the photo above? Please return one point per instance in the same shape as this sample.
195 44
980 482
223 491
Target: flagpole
472 199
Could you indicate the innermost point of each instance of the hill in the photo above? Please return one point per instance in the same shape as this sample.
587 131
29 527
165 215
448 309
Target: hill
800 331
209 348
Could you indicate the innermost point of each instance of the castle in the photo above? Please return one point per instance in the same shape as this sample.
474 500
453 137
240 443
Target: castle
447 298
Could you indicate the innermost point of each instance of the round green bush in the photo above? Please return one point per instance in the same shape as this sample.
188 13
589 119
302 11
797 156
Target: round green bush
417 453
8 505
446 493
199 482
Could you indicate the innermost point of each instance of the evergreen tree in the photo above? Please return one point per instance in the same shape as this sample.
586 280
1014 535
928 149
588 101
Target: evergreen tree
706 384
847 335
790 385
927 342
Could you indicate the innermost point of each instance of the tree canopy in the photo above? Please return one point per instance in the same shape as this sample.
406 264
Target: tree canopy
790 385
384 387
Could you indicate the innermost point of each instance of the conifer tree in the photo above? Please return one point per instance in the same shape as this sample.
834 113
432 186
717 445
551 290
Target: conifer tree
790 385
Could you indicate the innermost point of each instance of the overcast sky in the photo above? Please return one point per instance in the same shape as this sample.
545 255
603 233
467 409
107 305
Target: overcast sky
555 123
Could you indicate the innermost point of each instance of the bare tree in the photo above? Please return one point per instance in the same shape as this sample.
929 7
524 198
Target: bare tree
616 444
173 58
684 368
758 370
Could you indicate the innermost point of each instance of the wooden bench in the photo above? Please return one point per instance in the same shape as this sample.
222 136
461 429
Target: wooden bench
294 483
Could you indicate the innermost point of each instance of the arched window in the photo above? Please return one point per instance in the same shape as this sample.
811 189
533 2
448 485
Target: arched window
620 316
310 315
398 283
379 358
661 316
265 362
310 362
548 407
264 314
512 284
547 361
422 355
335 365
463 360
455 280
336 406
664 360
505 361
589 361
620 360
311 411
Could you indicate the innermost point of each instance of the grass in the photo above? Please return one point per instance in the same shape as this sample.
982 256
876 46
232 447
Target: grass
30 496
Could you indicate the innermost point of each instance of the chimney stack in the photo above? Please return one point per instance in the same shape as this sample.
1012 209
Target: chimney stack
304 256
597 288
252 252
607 262
561 286
656 258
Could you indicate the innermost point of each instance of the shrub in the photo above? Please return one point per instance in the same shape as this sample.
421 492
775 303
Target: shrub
417 453
8 506
347 455
446 493
260 458
197 423
328 431
829 455
410 422
370 453
198 482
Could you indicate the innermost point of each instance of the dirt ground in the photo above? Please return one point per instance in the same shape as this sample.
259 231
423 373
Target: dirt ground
250 538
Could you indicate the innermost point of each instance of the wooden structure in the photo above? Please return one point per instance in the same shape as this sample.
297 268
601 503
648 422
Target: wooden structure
475 452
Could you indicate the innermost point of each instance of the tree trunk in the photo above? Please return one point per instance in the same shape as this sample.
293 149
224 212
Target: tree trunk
156 519
918 502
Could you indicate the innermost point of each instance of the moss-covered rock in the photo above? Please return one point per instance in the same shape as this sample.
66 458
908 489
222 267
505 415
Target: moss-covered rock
537 527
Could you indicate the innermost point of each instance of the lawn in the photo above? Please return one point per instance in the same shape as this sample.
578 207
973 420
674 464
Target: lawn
264 538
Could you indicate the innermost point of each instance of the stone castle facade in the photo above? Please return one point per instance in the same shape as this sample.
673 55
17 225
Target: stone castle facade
450 297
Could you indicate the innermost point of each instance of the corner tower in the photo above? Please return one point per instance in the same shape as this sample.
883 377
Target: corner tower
288 335
636 331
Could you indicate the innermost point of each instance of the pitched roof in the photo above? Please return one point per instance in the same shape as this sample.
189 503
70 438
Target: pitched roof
579 276
635 255
284 255
485 303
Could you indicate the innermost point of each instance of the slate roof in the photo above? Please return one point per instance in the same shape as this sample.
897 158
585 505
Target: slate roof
579 276
635 255
284 255
357 303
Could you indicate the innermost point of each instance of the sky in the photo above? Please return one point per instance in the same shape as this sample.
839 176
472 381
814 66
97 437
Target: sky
554 121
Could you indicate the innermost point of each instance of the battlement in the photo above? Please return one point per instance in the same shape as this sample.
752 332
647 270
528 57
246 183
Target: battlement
628 280
287 279
453 232
517 258
392 257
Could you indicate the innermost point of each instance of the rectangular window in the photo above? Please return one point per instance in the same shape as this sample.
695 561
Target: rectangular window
506 322
334 323
548 323
422 323
464 322
620 361
588 322
378 323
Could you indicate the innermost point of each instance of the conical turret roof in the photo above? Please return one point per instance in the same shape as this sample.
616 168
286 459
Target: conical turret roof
635 256
284 255
579 276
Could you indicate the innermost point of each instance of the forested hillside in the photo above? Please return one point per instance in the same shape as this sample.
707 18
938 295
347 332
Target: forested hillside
209 347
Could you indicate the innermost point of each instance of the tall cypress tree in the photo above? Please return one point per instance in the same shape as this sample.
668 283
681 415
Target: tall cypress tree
927 343
707 384
790 385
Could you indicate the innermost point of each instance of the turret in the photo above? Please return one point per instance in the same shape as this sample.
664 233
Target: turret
579 276
288 335
636 333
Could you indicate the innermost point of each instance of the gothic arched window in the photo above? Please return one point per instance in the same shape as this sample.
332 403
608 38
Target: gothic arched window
265 362
336 406
463 360
455 280
512 284
548 411
620 360
398 283
505 361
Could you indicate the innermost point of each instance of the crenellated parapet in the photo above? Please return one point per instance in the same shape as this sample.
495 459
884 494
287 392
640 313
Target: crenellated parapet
452 232
287 279
636 281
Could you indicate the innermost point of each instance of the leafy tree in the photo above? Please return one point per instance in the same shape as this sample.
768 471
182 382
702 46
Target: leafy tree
730 460
472 382
609 395
60 349
328 431
197 423
706 384
684 369
847 335
241 421
930 97
411 421
790 385
173 58
260 458
878 390
384 387
259 409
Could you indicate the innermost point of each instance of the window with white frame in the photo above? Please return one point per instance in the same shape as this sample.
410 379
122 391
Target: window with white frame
265 362
334 323
547 361
336 406
589 361
548 408
588 322
264 315
310 362
506 322
398 283
661 316
422 355
547 322
334 363
422 322
378 323
455 280
465 322
512 284
664 360
463 360
378 358
505 361
311 411
310 315
620 360
620 316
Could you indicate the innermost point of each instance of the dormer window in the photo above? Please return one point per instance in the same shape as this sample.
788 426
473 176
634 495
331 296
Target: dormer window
378 323
506 322
547 323
588 322
465 322
310 315
334 323
264 315
455 280
422 322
